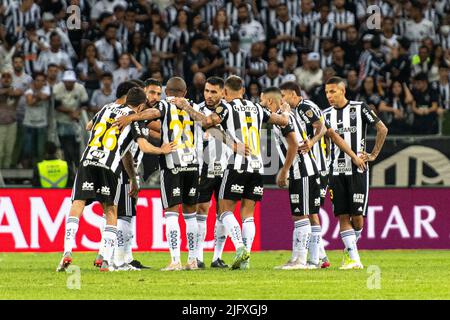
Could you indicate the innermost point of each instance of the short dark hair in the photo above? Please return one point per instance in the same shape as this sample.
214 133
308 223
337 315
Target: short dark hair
272 90
107 74
135 97
293 86
124 87
152 82
422 76
50 148
335 80
242 5
52 65
139 82
109 26
53 34
216 81
39 73
233 82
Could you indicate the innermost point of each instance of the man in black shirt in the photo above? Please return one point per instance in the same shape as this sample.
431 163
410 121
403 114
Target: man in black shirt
425 107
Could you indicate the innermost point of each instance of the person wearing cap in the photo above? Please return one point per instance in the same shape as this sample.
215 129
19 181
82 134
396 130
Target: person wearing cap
310 76
8 123
425 106
70 97
48 27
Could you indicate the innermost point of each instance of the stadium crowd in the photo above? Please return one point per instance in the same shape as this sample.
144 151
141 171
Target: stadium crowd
397 61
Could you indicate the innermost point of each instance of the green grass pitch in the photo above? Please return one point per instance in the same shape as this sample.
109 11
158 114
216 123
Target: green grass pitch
405 274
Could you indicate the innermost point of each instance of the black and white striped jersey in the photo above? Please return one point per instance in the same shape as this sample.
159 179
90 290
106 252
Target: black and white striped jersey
370 64
326 60
267 16
235 60
242 120
232 13
107 144
209 10
178 127
211 151
319 31
222 36
257 65
304 164
289 28
16 20
343 17
350 122
308 112
31 52
168 44
444 95
265 81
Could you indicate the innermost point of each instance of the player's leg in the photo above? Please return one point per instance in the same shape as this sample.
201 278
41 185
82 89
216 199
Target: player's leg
99 258
189 191
311 203
325 263
360 198
171 199
202 215
231 191
220 234
123 220
109 237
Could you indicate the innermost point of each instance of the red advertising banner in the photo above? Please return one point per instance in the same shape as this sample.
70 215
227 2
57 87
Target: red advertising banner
416 218
33 220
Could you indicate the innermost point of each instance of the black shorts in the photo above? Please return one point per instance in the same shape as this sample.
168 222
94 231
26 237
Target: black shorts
127 204
323 186
207 186
304 195
179 186
238 185
96 184
349 193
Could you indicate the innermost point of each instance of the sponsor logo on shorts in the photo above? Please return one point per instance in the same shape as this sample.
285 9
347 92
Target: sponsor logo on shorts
297 210
258 190
323 193
192 192
317 202
295 198
87 186
106 191
358 198
318 181
176 192
237 188
360 209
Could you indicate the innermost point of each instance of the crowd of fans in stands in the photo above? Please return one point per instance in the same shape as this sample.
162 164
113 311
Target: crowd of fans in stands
395 56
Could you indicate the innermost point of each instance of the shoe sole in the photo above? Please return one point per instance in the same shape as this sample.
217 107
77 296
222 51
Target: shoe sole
237 263
98 263
67 261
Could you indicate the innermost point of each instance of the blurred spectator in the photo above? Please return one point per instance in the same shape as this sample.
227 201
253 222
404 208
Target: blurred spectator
268 13
221 30
371 62
35 122
128 26
310 75
370 93
352 46
109 49
436 59
326 53
400 66
138 48
388 37
234 58
417 27
180 30
339 65
322 28
48 28
70 97
425 107
19 13
318 93
444 94
272 78
90 69
290 61
55 55
421 62
7 50
164 45
104 95
126 71
256 66
8 124
353 89
31 45
250 30
341 18
52 172
171 11
396 109
105 6
195 91
254 92
282 32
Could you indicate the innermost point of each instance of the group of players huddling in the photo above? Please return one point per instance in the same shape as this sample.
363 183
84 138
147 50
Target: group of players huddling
215 148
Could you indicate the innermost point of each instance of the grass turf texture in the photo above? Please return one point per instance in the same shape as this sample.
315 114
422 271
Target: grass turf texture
405 274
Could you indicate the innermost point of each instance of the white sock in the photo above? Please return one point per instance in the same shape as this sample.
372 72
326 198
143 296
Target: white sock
232 228
71 232
248 232
119 252
128 237
220 237
201 235
314 244
102 229
191 234
349 239
109 237
173 235
300 242
358 234
322 252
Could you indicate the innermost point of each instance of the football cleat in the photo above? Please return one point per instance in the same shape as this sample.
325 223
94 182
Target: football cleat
65 262
219 264
200 264
241 256
352 264
138 265
312 266
345 258
174 266
325 263
106 267
191 265
294 265
126 267
98 261
245 265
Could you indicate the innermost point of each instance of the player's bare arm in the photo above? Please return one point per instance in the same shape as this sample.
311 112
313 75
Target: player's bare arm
290 156
382 132
221 135
147 147
207 121
148 114
281 119
128 165
360 163
154 129
319 132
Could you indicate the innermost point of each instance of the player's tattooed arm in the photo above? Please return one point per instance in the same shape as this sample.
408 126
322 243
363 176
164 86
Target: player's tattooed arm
128 165
382 132
206 121
148 114
290 156
346 148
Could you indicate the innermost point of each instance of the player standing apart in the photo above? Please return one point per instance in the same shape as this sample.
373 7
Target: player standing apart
349 185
